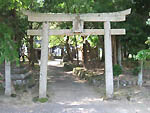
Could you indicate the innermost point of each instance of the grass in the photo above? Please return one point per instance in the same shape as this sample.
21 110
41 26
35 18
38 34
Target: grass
41 100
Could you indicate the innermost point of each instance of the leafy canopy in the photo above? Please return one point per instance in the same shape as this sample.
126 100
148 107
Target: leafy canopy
8 49
143 55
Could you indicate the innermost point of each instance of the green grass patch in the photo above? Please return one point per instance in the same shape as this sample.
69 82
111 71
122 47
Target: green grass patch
13 95
42 100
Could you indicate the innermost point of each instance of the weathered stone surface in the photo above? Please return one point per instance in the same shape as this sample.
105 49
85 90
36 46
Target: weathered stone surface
8 86
19 70
85 32
44 60
20 76
91 77
97 17
108 60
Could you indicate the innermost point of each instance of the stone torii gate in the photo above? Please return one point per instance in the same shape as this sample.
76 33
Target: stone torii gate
78 27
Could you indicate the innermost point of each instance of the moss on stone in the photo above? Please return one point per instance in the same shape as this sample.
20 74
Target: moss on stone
43 100
37 99
91 77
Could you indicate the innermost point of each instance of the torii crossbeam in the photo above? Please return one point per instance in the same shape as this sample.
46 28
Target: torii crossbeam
78 28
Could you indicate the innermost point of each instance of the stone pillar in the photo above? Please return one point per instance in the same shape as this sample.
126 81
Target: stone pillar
44 60
140 75
7 78
108 60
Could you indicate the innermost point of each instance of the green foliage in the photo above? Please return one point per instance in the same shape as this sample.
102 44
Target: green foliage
13 26
148 41
148 22
136 70
67 6
76 39
8 49
93 40
142 7
13 95
137 31
43 100
56 41
136 36
17 24
117 70
143 55
37 99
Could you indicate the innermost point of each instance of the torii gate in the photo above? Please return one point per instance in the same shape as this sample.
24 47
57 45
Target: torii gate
78 27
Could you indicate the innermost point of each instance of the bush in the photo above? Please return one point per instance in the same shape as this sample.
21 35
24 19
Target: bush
13 95
117 70
136 70
69 66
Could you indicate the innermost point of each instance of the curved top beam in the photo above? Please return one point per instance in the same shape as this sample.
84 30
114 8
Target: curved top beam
99 17
119 13
125 12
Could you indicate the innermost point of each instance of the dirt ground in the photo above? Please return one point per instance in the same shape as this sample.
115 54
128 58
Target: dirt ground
68 94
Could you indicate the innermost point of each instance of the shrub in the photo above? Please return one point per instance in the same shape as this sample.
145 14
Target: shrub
13 95
35 99
117 70
69 66
136 70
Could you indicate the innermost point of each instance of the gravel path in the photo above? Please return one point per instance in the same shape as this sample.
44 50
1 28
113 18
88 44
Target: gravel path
70 95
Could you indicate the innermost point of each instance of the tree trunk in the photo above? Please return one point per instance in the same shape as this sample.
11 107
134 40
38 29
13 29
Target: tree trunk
62 52
68 50
32 55
125 52
119 53
8 86
103 51
77 54
114 50
84 54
